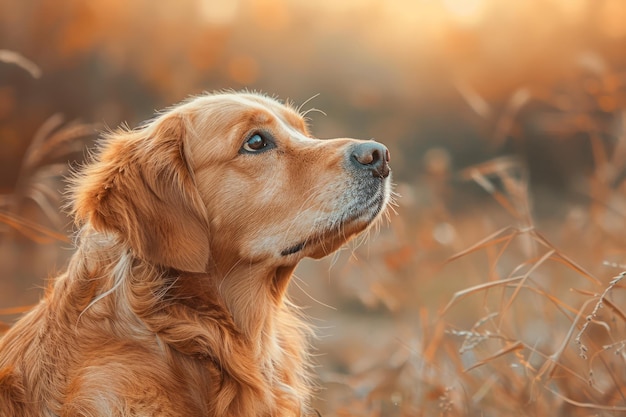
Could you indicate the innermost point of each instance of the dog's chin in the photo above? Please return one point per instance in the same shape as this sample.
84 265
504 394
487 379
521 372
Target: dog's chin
331 241
330 238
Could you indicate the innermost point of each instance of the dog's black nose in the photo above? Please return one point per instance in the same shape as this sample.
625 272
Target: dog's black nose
371 156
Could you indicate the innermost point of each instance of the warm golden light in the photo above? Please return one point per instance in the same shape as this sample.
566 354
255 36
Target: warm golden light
467 12
613 15
506 125
218 12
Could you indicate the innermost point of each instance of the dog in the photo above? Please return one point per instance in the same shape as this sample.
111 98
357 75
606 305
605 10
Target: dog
189 228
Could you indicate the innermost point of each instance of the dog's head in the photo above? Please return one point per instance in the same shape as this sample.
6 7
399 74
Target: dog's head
226 178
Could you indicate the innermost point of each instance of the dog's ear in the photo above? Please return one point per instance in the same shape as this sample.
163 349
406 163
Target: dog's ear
141 187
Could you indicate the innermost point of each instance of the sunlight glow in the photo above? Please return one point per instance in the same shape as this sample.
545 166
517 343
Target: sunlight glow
469 12
218 12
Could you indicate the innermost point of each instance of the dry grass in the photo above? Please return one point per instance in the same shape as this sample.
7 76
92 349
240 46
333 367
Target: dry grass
538 326
540 335
33 210
33 227
44 165
12 57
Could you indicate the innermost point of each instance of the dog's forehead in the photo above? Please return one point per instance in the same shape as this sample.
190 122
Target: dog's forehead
248 108
264 109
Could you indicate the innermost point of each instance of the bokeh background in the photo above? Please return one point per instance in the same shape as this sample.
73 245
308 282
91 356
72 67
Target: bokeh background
491 290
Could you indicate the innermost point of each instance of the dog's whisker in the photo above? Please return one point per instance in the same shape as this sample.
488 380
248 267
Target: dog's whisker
313 109
299 108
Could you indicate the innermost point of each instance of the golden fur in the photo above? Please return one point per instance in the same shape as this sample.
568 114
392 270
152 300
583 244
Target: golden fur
189 230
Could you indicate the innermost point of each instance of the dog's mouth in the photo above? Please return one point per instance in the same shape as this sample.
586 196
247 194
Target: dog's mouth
294 249
352 220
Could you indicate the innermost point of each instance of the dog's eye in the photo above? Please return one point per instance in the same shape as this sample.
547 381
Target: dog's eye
256 143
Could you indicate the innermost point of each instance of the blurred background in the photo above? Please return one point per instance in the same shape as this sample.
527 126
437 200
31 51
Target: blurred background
506 126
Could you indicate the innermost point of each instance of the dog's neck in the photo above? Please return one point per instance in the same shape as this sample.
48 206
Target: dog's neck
250 294
253 294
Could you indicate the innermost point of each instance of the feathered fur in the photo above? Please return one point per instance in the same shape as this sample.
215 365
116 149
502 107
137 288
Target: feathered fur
174 302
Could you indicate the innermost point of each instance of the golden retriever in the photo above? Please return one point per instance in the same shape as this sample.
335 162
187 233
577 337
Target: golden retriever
189 229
